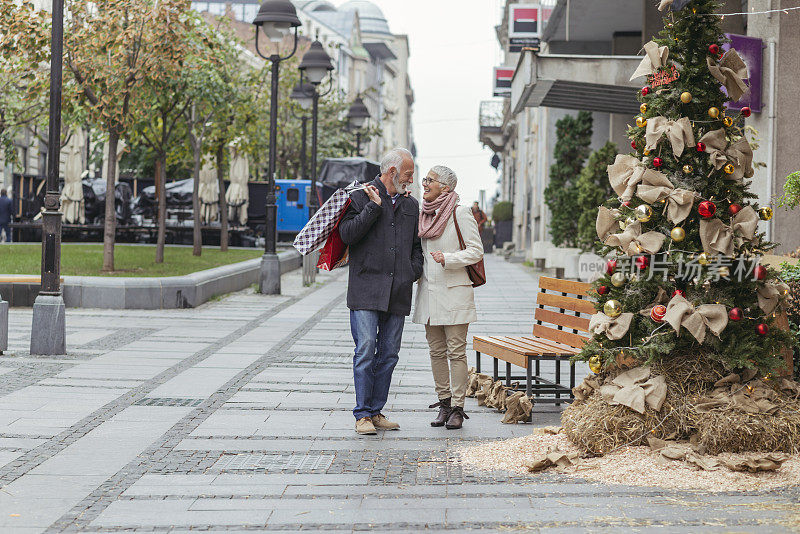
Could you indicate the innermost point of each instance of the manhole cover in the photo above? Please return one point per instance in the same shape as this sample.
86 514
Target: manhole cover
273 462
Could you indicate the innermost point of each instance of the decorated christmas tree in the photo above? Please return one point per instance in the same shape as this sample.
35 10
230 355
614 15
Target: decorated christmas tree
684 290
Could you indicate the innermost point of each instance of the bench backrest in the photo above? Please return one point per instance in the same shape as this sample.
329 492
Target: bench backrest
570 324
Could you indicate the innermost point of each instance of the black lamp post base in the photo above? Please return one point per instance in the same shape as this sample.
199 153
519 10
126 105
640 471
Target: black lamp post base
49 332
270 276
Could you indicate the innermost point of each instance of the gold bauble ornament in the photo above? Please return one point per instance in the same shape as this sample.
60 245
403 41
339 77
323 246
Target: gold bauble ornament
688 169
765 213
595 365
641 122
713 112
686 97
724 272
646 152
729 168
612 308
677 234
704 259
643 108
727 121
627 222
617 279
644 213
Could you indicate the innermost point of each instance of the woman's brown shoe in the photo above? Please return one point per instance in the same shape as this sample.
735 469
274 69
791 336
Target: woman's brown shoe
444 412
456 418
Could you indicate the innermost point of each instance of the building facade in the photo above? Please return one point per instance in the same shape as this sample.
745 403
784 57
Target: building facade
369 61
588 50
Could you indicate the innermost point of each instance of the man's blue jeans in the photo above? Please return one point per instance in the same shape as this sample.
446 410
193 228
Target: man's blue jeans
377 336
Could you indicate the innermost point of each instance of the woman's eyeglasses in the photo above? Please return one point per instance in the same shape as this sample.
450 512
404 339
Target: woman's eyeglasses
427 181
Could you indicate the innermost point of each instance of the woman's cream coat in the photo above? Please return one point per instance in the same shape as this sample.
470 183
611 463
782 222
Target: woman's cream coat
444 293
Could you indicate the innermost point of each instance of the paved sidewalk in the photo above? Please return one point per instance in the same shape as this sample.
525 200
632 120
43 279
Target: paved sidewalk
236 416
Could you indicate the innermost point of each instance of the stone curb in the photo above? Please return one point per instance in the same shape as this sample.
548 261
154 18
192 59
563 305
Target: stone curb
170 292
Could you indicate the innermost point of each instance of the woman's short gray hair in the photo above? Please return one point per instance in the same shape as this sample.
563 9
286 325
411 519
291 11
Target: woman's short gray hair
446 176
394 158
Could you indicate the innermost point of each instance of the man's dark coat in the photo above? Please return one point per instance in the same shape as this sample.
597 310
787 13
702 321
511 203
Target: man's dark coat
385 251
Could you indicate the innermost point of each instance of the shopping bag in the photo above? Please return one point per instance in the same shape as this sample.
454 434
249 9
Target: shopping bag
319 227
335 253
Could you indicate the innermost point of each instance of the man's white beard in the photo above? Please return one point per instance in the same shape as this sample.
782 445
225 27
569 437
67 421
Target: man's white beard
401 188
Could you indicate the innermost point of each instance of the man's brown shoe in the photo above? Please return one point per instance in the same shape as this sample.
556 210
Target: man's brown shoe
382 423
365 426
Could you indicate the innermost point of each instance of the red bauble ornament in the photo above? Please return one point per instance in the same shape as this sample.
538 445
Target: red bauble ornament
735 314
611 266
733 209
701 147
713 49
680 292
657 162
746 111
627 203
633 145
602 290
645 90
760 272
642 262
658 312
706 209
762 329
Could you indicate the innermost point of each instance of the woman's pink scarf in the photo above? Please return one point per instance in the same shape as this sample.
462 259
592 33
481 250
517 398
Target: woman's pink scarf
434 215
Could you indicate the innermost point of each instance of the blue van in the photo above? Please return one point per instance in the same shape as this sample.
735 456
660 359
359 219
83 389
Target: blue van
292 198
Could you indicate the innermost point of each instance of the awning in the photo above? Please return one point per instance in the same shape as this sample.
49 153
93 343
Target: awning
591 83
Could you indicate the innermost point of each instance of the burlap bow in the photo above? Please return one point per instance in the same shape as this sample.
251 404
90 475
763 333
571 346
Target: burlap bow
627 172
606 222
718 237
612 327
632 241
731 72
678 132
680 312
737 153
655 57
678 202
636 389
770 294
672 5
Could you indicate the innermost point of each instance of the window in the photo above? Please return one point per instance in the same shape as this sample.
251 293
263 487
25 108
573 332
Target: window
292 195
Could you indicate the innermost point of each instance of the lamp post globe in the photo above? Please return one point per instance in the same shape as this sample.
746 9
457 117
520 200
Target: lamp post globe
358 114
303 94
275 18
316 63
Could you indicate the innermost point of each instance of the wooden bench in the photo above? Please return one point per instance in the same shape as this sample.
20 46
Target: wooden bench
557 336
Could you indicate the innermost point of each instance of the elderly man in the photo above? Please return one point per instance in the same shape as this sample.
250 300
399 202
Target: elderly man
380 227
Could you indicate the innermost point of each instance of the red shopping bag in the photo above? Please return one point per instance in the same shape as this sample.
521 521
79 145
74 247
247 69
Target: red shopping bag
335 253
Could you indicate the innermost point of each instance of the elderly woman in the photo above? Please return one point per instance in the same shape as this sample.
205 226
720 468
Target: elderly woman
445 301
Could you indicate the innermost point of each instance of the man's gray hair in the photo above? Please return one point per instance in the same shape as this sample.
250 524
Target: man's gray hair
446 176
394 158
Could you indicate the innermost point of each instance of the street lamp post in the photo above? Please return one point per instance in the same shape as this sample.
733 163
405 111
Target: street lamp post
48 334
275 18
357 116
316 65
303 94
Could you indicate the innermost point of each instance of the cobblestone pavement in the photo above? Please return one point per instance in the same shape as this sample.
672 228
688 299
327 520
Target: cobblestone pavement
236 416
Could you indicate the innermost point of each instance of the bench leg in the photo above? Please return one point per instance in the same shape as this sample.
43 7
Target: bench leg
538 370
477 361
571 379
558 377
508 375
495 371
529 386
528 379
